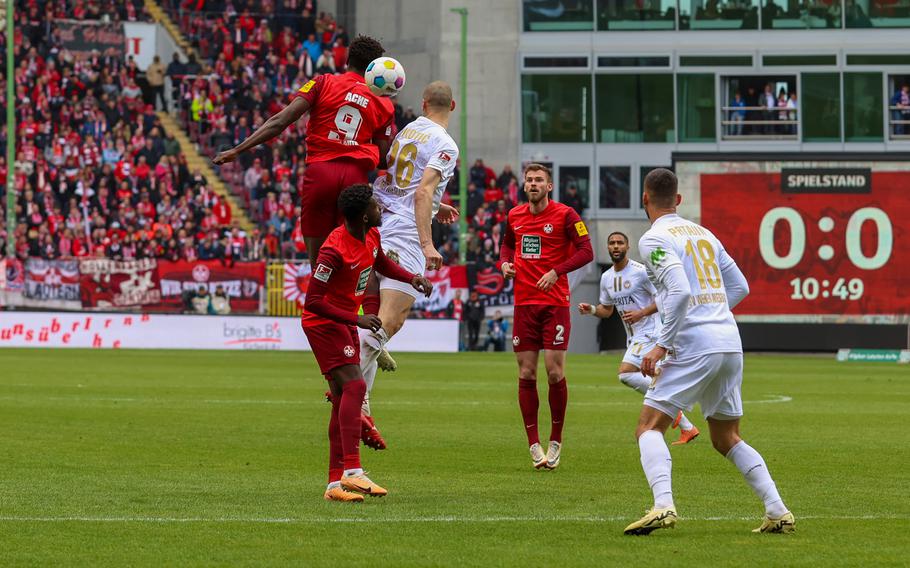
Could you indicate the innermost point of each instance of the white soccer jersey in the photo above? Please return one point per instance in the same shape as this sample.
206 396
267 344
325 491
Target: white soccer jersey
420 145
628 290
708 325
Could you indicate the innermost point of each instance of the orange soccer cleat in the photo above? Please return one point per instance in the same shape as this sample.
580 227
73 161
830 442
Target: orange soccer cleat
339 494
362 484
686 436
369 434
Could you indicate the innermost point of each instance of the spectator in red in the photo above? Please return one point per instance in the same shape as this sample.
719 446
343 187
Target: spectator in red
222 211
493 192
340 54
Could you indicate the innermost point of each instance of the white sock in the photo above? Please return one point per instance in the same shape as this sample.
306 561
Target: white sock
636 381
370 346
684 423
333 485
657 463
365 407
350 472
752 466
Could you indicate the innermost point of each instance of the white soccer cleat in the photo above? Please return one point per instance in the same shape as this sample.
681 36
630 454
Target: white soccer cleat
537 456
783 524
385 361
654 519
553 453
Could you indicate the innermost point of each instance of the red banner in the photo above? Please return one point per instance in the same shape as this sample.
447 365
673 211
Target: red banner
105 283
824 242
243 282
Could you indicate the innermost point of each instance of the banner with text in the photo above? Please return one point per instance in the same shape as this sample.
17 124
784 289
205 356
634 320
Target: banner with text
242 281
51 279
81 38
106 283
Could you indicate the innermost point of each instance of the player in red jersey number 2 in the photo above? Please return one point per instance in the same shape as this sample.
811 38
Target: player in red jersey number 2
543 242
330 321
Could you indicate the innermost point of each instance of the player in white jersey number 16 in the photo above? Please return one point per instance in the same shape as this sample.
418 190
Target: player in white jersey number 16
625 287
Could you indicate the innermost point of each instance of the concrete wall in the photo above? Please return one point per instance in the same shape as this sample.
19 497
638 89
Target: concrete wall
425 36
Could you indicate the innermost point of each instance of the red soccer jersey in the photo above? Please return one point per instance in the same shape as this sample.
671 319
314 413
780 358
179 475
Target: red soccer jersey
539 243
347 262
345 117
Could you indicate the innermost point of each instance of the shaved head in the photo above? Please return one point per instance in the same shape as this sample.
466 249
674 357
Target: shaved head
438 96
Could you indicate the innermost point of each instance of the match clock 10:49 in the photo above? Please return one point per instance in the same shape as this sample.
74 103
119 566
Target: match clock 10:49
815 241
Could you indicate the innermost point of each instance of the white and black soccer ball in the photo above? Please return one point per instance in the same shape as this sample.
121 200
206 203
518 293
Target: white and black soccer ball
385 76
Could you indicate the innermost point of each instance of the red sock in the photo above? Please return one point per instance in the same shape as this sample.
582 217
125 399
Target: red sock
559 398
528 402
336 455
352 394
370 304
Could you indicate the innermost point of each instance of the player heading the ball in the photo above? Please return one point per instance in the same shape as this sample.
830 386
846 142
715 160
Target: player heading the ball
543 242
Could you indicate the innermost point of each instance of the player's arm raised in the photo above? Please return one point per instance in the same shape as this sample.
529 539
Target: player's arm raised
316 302
423 213
275 125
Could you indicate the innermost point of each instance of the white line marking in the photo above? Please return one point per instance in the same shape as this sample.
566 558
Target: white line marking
439 519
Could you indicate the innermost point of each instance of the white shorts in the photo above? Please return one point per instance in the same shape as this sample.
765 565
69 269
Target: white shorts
637 349
402 245
713 381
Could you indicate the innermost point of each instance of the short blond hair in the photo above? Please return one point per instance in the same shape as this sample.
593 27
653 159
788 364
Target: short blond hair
438 95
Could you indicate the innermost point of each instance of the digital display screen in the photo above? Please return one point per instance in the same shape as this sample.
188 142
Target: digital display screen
817 241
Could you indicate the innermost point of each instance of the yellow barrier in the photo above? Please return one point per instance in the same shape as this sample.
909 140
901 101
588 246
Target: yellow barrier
277 304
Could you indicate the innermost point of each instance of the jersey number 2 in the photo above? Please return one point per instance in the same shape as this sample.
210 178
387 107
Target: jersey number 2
347 121
560 333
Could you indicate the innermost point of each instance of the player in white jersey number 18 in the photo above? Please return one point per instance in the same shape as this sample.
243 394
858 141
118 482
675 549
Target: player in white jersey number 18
698 284
625 287
421 162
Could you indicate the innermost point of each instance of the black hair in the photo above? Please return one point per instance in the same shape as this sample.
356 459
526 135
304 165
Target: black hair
620 233
354 200
661 185
363 51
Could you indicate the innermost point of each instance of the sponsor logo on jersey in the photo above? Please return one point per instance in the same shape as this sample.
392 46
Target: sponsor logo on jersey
348 351
530 246
657 256
307 86
548 228
393 256
581 229
362 281
515 340
323 273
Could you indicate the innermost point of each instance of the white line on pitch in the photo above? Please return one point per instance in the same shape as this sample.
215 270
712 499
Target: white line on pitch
439 519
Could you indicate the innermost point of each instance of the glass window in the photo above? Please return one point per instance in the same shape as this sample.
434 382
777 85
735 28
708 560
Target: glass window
876 14
695 108
881 59
635 108
566 15
899 107
556 108
716 15
551 62
798 60
863 107
575 187
821 106
760 107
614 187
715 61
633 61
625 15
800 14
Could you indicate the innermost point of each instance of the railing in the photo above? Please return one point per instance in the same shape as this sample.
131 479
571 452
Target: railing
742 123
899 122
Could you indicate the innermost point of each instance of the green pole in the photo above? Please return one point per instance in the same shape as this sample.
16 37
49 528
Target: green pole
10 134
463 142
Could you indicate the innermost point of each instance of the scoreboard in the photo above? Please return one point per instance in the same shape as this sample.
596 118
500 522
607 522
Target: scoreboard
820 239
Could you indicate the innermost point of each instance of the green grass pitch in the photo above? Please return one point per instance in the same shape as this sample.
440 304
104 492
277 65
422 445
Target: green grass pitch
215 458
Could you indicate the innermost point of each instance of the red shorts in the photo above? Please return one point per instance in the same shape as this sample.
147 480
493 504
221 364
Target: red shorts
538 326
334 345
322 183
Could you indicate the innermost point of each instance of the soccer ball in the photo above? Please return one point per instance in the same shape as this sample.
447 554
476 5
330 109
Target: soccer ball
385 76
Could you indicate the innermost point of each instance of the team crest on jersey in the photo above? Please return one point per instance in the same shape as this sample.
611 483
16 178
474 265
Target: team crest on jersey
516 340
323 273
548 228
393 256
530 246
626 284
349 351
